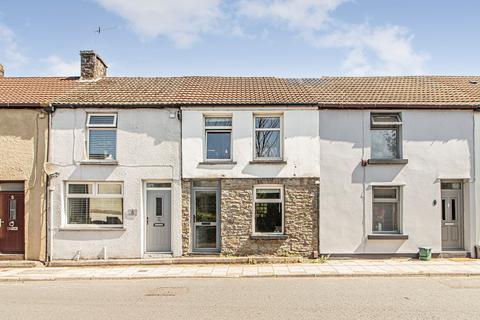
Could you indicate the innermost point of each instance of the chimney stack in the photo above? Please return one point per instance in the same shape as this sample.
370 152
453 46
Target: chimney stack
92 66
2 71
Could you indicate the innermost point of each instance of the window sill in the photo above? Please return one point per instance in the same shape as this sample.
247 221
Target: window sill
91 229
387 236
213 163
268 237
268 162
100 162
387 161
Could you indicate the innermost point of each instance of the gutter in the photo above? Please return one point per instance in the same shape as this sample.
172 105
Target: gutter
36 105
180 105
397 106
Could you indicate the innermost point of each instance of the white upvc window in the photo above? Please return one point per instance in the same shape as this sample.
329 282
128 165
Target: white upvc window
268 137
386 136
94 204
218 138
102 136
268 217
386 210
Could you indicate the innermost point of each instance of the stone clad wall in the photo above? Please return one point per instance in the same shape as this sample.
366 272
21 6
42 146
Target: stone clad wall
186 207
236 217
300 214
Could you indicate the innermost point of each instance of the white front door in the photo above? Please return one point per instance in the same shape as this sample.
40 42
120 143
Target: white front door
158 221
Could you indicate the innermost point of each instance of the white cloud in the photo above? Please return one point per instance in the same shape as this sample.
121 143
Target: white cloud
56 66
10 53
386 49
375 50
370 50
302 15
183 21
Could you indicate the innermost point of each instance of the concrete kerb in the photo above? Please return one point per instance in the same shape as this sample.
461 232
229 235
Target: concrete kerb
226 267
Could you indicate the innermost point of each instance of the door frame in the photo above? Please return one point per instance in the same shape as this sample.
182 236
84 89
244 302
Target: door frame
192 219
461 210
145 213
25 229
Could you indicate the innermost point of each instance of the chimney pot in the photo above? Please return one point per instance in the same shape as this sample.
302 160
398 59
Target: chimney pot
92 67
2 71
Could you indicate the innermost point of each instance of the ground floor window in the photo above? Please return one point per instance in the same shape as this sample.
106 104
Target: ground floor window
268 207
386 210
94 203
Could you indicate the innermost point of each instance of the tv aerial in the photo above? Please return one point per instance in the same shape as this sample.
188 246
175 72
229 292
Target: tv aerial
99 30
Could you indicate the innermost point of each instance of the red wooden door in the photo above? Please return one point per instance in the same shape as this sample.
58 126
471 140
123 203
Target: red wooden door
12 226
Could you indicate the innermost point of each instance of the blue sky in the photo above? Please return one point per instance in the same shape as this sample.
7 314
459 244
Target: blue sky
288 38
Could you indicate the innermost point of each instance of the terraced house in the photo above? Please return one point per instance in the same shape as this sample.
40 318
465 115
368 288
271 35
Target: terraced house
24 135
397 165
251 167
172 166
115 148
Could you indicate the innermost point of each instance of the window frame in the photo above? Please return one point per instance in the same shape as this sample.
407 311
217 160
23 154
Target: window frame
394 125
217 129
100 127
255 129
398 200
93 194
113 125
281 201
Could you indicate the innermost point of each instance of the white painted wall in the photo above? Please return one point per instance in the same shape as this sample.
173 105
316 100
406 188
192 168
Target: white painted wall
300 149
437 144
148 148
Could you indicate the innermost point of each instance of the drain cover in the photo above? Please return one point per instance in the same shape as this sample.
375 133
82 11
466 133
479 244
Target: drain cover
166 292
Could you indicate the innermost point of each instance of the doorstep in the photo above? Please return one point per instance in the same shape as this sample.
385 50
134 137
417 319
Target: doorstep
10 257
5 264
193 260
454 254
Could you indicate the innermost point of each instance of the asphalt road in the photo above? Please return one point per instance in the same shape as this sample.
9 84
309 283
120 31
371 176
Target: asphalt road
256 298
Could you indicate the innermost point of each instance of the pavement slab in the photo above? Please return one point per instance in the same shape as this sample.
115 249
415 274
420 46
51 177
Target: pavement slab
340 268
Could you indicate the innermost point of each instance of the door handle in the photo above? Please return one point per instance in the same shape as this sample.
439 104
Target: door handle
1 222
147 221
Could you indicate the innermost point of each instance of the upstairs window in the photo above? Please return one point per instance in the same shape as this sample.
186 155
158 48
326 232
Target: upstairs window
102 136
94 203
268 135
218 136
386 136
